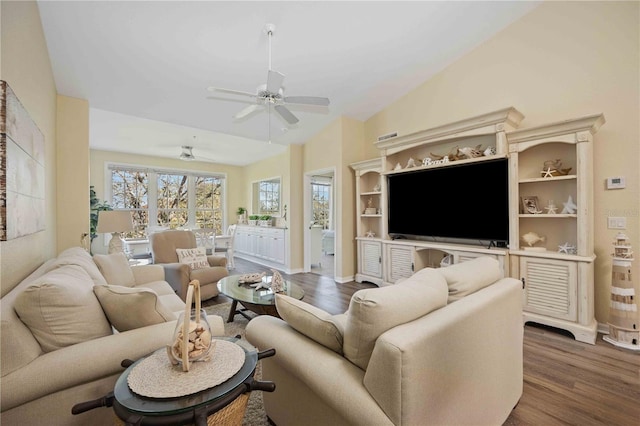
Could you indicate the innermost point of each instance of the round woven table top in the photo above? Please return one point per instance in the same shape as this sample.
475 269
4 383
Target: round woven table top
156 377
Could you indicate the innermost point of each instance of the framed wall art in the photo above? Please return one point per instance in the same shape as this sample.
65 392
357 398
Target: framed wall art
22 169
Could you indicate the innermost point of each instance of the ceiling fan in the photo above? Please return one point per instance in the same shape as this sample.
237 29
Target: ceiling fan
272 94
187 154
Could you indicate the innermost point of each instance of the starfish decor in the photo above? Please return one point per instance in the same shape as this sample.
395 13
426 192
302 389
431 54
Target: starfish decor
569 206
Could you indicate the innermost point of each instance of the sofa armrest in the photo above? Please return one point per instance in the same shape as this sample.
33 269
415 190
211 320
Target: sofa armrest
177 275
147 273
461 364
217 260
81 363
326 374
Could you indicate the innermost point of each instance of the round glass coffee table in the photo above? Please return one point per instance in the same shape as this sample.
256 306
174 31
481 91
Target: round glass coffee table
261 301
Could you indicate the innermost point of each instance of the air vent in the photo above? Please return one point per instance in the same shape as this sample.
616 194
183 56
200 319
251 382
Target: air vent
387 136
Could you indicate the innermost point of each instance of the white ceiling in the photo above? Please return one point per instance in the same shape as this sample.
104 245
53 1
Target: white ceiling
144 66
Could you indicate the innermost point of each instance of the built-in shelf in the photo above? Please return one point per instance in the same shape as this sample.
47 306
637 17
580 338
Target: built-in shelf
548 179
547 216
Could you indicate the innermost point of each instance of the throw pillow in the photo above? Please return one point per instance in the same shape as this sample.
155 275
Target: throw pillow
470 276
196 258
79 257
313 322
375 310
61 310
115 269
129 308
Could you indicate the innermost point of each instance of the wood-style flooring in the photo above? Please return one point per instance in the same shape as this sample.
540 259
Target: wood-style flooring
565 382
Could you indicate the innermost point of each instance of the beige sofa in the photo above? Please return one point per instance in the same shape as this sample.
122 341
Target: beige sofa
443 347
59 346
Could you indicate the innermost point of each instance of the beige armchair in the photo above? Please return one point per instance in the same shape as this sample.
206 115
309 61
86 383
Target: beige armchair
163 250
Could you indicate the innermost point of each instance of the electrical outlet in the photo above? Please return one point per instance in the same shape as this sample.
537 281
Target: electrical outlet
617 222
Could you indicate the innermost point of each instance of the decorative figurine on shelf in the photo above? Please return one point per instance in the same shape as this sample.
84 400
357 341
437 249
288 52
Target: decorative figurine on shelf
468 152
553 168
397 167
531 238
370 209
277 282
411 163
370 234
621 247
377 188
569 206
567 248
489 151
551 207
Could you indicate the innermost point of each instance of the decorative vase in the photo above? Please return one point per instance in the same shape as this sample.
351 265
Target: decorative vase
192 337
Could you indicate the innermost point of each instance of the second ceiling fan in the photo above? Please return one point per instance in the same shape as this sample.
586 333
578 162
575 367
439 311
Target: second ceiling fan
271 94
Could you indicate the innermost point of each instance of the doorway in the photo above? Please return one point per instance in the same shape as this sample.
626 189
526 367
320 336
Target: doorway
320 238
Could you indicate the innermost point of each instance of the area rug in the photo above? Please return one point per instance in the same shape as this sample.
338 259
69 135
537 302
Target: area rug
254 414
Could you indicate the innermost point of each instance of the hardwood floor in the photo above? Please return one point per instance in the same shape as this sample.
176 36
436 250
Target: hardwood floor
565 382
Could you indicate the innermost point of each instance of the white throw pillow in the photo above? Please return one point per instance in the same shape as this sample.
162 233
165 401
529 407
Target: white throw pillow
61 310
129 308
375 310
115 268
196 258
313 322
470 276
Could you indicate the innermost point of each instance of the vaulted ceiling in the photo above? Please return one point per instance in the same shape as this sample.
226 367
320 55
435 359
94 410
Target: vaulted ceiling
144 66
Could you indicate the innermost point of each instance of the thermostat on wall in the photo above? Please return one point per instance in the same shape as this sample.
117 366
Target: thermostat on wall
616 182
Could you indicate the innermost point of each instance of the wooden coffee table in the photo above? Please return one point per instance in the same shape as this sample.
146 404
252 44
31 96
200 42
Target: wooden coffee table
261 302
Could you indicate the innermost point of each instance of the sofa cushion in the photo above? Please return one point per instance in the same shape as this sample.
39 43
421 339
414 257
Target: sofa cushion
115 269
470 276
78 256
313 322
376 310
61 310
196 258
128 308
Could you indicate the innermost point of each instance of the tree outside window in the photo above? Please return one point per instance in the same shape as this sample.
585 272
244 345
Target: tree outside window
320 198
167 199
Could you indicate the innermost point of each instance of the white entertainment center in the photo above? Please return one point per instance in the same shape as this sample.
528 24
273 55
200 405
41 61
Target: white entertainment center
557 274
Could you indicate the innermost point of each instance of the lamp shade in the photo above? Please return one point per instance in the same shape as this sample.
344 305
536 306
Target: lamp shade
114 221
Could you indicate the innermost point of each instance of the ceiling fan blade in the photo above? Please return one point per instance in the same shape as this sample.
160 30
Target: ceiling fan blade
274 81
307 100
286 114
246 111
231 91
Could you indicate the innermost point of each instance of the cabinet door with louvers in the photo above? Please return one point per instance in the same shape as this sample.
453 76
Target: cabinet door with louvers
400 262
550 287
371 258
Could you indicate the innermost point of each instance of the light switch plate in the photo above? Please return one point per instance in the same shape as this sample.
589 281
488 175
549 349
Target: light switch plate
616 222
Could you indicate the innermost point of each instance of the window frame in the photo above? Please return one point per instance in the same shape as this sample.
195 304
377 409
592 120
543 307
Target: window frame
152 190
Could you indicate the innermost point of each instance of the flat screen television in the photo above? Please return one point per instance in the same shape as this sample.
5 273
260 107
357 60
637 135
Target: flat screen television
466 201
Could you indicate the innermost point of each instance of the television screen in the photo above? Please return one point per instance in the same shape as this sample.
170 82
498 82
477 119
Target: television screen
467 201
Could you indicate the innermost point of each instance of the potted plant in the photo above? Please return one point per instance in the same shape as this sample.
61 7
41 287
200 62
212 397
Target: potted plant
95 207
253 219
242 215
265 220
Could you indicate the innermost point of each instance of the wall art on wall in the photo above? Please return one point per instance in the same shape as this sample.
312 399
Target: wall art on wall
22 174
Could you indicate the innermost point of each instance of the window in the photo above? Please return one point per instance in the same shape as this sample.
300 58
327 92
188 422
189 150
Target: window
167 199
129 191
321 200
266 197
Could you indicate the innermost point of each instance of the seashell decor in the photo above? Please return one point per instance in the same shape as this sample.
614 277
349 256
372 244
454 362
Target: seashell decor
198 342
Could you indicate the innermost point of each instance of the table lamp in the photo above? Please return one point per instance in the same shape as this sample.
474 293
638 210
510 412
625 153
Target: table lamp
115 222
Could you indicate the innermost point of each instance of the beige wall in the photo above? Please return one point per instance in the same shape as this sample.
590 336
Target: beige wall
235 194
563 60
338 145
27 69
73 171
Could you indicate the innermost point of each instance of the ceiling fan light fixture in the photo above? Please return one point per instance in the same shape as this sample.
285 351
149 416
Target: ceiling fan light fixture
186 154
